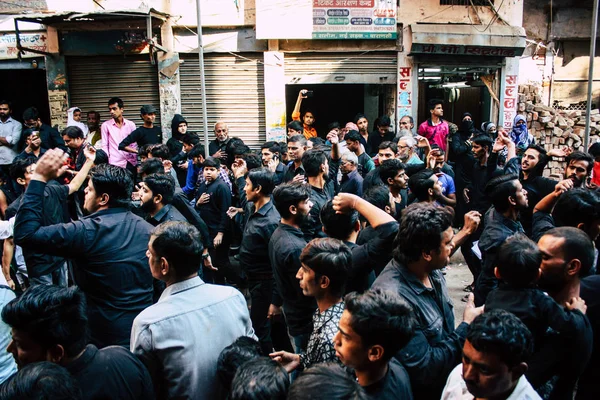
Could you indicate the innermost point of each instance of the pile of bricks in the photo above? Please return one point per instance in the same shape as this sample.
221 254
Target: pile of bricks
554 128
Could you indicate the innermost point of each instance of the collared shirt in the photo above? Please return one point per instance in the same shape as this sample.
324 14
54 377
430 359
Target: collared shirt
11 131
179 339
112 136
108 249
254 249
25 155
352 183
222 174
165 214
111 373
320 344
436 134
436 347
456 388
414 160
285 247
280 172
292 171
214 212
395 385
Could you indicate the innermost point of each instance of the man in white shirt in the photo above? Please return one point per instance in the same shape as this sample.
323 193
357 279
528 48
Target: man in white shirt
10 133
179 338
494 363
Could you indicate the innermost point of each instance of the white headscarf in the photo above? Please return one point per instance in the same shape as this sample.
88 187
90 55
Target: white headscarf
72 122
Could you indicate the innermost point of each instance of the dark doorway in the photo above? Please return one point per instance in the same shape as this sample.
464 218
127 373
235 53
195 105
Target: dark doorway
329 103
470 100
26 88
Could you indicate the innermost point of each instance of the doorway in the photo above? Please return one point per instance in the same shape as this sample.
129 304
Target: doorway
26 88
341 102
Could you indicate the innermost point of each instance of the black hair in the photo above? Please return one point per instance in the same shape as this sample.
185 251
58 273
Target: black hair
384 120
577 206
264 178
581 156
41 381
333 125
101 157
212 162
284 147
379 196
260 379
353 135
144 149
289 194
381 317
51 315
160 151
331 258
358 116
500 189
501 333
388 145
196 151
434 102
161 184
317 141
420 183
326 381
338 226
116 100
96 113
7 102
594 149
152 166
542 159
273 147
577 245
421 230
298 139
114 181
31 113
519 260
179 243
240 150
18 168
483 140
312 160
241 350
297 126
253 161
190 138
74 132
390 169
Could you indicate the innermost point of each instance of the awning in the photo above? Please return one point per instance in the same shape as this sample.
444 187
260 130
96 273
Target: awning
467 40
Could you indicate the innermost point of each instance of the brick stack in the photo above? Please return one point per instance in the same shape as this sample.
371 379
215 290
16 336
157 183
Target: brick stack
554 128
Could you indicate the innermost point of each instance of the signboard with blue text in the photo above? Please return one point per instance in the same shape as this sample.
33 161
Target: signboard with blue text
354 19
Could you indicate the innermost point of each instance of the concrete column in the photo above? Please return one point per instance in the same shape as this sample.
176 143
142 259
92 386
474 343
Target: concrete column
58 90
275 96
408 89
509 92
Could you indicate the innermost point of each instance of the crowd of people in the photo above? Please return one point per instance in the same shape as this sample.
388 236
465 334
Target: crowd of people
135 267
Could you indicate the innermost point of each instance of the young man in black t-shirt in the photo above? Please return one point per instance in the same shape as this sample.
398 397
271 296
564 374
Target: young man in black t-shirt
374 326
145 134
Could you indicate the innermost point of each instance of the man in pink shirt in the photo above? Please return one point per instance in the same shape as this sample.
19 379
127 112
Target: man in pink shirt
435 129
113 132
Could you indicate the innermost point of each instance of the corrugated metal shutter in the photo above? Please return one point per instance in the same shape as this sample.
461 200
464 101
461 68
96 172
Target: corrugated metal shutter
94 80
235 94
311 68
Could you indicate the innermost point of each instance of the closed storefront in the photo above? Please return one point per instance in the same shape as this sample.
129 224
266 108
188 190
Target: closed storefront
234 90
94 80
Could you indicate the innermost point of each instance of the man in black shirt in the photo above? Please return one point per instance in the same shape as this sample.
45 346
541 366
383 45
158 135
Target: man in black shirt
33 148
374 326
341 221
296 149
293 204
50 324
108 248
271 156
145 134
380 134
50 136
422 247
156 194
260 221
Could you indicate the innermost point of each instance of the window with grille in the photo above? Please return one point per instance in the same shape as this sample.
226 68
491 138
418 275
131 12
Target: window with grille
465 2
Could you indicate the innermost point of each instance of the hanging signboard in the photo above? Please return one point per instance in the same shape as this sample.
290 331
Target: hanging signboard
354 19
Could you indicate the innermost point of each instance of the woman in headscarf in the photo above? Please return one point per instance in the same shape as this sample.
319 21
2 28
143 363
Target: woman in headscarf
178 129
74 119
520 135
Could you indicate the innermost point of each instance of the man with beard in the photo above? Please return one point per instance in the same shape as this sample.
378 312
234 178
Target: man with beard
287 242
10 134
501 221
567 257
296 148
108 248
271 156
217 148
93 122
352 182
156 194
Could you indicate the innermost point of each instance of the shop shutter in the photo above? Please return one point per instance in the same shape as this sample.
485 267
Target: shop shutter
366 68
94 80
235 94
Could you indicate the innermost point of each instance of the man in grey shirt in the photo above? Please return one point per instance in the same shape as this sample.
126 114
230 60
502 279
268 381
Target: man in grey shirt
10 133
179 338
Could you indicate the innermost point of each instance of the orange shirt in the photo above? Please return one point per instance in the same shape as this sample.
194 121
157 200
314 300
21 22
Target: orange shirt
309 131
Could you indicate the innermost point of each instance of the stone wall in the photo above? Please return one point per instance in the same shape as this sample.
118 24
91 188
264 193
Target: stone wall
555 128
